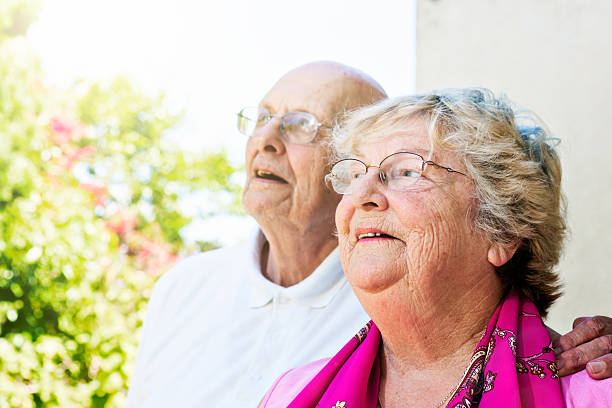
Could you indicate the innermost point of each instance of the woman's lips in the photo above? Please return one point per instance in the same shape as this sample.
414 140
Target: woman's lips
371 234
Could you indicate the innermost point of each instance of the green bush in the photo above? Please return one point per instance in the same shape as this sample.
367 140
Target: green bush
89 217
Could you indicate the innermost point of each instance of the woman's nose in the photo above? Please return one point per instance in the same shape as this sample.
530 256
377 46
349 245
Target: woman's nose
368 192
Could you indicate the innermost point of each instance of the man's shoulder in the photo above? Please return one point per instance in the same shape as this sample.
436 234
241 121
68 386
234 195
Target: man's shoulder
207 268
212 262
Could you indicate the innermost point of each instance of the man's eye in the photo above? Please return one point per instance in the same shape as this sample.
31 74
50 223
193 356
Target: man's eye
297 123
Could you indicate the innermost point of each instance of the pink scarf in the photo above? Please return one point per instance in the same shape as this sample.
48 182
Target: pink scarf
512 366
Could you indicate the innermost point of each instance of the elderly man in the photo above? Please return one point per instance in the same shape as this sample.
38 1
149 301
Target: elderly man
222 325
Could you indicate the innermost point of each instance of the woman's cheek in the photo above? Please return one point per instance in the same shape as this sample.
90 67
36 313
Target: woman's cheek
343 217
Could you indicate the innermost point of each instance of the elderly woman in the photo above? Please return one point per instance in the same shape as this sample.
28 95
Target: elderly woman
450 225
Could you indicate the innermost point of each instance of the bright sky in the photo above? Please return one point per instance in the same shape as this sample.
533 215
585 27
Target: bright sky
213 57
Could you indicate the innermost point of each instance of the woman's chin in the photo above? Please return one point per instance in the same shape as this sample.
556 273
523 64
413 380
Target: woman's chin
370 275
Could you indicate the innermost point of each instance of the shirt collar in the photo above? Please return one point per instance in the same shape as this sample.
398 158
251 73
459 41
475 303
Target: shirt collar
317 290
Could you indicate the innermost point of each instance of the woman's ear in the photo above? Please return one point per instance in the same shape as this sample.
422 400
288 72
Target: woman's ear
499 254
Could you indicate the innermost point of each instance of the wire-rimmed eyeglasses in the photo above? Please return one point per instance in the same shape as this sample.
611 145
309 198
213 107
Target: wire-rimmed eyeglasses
398 171
295 126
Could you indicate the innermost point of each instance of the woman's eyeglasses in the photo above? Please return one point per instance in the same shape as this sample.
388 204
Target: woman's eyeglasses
398 171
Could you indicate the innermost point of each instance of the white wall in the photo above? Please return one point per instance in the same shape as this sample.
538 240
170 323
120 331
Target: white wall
554 57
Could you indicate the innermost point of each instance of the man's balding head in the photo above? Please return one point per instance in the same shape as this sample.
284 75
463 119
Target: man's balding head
335 87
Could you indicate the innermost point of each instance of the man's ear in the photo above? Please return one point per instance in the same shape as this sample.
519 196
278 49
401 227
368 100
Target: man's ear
499 254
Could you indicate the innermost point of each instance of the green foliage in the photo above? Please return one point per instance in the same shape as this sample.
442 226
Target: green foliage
16 16
89 217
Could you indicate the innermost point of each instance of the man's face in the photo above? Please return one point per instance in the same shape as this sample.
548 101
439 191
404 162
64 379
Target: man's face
285 181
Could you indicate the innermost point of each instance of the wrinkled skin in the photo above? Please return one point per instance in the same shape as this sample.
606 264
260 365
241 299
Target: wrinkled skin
301 204
434 241
591 338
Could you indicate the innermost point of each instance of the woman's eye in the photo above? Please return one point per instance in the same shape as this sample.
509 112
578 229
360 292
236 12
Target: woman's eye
409 173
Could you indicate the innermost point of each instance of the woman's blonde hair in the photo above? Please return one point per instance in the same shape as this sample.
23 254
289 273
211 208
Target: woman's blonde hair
511 159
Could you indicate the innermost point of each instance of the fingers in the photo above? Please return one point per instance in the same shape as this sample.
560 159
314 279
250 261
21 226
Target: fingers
591 339
600 368
579 320
585 330
576 359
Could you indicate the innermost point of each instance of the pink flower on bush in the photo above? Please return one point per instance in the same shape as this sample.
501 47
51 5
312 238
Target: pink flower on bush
65 130
122 222
68 160
155 257
98 190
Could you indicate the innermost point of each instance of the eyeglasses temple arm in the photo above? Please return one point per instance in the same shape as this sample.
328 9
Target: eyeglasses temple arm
450 170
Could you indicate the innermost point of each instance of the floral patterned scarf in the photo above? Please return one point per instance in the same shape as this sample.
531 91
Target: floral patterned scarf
513 366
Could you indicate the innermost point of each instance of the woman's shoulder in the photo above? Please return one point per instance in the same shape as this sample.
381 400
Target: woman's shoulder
288 385
580 390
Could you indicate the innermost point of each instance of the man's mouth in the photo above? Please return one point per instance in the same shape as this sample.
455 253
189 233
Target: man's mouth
266 175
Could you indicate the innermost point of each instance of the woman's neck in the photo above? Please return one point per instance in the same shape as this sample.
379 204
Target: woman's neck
428 342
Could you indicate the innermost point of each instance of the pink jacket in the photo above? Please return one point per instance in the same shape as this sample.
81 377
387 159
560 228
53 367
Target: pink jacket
579 390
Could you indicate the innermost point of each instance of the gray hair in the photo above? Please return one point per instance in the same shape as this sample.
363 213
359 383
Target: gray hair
511 159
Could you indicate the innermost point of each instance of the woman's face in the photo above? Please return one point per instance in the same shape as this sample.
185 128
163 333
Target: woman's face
427 242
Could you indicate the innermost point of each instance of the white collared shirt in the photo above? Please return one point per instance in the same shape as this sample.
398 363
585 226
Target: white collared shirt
218 333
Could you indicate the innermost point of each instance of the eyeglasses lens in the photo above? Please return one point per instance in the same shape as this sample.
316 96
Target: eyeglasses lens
344 173
248 119
299 127
399 172
296 127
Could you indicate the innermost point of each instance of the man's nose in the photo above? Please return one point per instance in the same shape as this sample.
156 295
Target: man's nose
269 137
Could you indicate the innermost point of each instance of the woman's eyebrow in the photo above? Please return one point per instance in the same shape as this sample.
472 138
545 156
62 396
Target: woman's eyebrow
425 153
422 152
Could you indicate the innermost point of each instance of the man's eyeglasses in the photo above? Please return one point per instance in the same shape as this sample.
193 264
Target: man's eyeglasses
295 127
398 171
